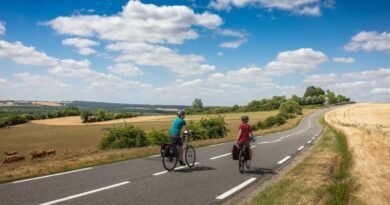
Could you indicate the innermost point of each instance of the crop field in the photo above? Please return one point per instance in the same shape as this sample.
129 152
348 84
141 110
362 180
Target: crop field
367 127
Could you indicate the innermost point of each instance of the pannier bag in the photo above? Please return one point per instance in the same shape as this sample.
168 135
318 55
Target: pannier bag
248 154
235 152
165 148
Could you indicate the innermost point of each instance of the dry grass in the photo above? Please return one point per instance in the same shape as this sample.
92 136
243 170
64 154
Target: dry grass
367 127
76 146
309 181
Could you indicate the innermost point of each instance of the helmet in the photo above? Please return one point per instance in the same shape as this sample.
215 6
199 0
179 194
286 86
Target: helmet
181 113
245 118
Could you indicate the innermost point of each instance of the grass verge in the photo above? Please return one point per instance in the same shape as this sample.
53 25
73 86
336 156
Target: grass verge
320 178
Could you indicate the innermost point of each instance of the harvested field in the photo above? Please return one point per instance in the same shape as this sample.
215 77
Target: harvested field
367 127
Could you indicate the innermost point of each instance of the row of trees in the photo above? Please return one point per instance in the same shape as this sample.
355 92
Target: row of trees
102 115
313 96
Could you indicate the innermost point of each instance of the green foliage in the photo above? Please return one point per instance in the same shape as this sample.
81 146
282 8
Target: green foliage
158 136
197 104
290 106
331 97
123 136
208 128
313 91
85 115
100 114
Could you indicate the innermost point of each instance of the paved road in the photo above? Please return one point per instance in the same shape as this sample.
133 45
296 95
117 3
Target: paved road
143 181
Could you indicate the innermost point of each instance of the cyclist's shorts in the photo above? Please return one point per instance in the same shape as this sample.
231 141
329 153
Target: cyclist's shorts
241 144
176 140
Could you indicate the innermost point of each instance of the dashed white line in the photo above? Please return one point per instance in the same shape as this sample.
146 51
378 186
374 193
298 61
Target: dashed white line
157 155
223 155
309 142
160 173
300 148
182 167
253 146
284 159
235 189
313 138
266 142
52 175
85 193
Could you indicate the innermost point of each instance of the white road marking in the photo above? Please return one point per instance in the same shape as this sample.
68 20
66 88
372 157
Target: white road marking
224 155
284 159
157 155
267 142
309 142
182 167
319 132
301 130
85 193
253 146
52 175
235 189
216 144
313 138
300 148
160 173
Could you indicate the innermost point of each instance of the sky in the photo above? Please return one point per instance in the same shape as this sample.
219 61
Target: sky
224 52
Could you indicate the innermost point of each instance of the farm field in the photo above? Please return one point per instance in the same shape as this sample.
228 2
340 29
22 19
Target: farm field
367 128
76 146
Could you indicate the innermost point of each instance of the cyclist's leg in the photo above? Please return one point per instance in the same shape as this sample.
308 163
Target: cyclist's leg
181 148
178 142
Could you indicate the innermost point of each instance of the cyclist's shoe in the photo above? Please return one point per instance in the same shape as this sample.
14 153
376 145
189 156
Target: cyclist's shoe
182 163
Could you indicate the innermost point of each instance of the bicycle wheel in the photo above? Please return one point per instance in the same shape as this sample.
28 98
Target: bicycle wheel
190 156
248 164
169 158
241 161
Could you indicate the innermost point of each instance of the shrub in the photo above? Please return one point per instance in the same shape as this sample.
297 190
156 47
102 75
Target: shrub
290 106
208 128
123 136
158 136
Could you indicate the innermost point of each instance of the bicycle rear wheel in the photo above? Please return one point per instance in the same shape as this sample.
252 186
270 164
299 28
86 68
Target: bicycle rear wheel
190 156
241 161
169 158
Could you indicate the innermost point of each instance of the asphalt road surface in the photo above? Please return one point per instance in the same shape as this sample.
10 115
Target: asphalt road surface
144 181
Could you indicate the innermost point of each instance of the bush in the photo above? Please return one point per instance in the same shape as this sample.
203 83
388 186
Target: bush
208 128
289 107
123 136
158 136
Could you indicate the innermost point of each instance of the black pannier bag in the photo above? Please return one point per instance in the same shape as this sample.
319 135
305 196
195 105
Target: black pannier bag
235 152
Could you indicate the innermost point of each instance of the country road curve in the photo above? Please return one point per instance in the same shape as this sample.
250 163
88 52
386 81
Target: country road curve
143 181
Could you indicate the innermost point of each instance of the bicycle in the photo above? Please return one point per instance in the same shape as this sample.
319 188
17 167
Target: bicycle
170 154
245 155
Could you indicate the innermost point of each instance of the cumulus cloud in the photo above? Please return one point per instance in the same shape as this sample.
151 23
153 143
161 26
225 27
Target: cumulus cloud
37 80
368 85
83 45
369 41
2 28
301 60
139 22
21 54
156 55
381 91
301 7
344 60
126 69
241 35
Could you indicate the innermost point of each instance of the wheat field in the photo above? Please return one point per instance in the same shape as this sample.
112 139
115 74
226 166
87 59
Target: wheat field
367 128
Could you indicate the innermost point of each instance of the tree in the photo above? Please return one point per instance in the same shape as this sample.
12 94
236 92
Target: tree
313 91
100 114
85 115
197 104
331 97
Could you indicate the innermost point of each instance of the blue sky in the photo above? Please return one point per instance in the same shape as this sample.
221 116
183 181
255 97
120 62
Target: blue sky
169 52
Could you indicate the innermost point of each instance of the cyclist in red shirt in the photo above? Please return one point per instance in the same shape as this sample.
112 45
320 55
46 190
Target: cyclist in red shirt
244 132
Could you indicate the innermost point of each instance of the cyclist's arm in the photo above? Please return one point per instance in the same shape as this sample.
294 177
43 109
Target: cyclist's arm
239 134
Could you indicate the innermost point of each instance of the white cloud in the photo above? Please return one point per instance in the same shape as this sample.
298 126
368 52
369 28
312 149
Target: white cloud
302 7
369 41
381 91
139 22
301 60
126 69
41 81
344 60
241 35
83 45
219 54
25 55
2 28
369 85
156 55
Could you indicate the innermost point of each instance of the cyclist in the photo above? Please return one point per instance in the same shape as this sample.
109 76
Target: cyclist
244 132
174 132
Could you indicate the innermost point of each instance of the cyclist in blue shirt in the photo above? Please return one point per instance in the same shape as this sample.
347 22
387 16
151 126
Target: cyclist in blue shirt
174 132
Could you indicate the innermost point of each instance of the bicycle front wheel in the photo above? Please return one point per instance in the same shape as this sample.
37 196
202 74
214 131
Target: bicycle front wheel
190 156
169 158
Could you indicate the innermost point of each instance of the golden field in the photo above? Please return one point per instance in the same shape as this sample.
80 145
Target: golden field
367 128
